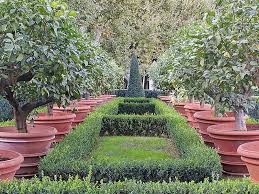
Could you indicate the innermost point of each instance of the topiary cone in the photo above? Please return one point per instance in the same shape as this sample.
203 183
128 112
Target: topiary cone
135 88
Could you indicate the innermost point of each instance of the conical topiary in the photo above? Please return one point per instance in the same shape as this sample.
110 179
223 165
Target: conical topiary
135 88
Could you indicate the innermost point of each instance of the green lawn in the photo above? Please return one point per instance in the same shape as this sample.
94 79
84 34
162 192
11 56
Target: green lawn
129 148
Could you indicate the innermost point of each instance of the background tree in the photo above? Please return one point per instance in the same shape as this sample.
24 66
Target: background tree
150 24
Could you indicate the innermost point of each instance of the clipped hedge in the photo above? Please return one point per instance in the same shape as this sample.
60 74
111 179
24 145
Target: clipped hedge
6 110
76 186
136 108
134 125
73 155
148 93
136 100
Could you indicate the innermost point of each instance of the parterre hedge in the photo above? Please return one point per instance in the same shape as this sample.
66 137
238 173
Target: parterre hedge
136 108
148 93
73 155
134 125
78 186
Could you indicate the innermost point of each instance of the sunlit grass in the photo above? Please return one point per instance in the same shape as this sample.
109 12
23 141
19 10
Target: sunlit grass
127 148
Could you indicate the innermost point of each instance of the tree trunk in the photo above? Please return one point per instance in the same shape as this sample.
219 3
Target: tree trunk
87 94
202 104
240 120
216 105
50 109
20 119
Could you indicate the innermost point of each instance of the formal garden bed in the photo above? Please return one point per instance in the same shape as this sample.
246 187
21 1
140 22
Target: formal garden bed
195 160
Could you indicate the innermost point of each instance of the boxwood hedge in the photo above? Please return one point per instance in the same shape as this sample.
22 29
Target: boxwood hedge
73 155
76 186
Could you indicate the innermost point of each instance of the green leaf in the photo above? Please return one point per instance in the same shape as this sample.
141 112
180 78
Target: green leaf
20 57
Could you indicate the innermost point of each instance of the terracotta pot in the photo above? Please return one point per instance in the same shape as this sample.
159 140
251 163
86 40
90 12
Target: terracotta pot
206 119
166 99
81 112
250 155
9 166
179 107
32 145
61 121
191 109
91 103
227 139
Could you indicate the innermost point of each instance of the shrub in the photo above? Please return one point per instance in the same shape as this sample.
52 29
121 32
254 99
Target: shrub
196 161
148 93
136 100
76 185
135 88
134 125
136 108
6 110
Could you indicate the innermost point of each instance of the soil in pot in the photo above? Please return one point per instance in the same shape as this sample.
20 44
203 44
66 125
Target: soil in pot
32 145
250 155
206 119
191 109
227 139
61 121
10 162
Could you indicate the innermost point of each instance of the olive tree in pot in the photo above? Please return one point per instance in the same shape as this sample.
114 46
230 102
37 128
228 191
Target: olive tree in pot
234 25
184 74
40 64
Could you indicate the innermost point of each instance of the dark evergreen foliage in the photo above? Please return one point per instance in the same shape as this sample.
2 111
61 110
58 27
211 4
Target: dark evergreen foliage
135 88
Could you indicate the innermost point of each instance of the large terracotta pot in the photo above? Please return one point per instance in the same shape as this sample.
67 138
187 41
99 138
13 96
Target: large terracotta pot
250 155
61 121
108 97
81 112
191 109
99 100
227 139
179 107
206 119
91 103
166 99
10 162
32 145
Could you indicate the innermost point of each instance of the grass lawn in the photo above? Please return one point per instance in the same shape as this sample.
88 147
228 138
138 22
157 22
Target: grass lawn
129 148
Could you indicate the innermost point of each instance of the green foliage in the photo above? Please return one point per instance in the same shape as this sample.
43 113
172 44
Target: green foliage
135 88
117 24
136 100
76 185
148 93
134 125
6 111
7 123
136 108
196 161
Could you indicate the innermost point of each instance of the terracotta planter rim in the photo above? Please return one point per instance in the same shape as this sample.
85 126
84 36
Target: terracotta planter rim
33 132
208 115
197 107
14 158
180 103
55 116
249 150
229 130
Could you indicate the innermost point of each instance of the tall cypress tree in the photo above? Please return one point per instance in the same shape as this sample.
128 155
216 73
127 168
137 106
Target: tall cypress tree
135 88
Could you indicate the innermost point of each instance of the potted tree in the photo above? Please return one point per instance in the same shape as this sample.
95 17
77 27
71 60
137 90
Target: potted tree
40 64
234 26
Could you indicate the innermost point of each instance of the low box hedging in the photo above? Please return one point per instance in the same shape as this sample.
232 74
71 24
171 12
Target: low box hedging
76 186
136 100
134 125
73 155
148 93
136 108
